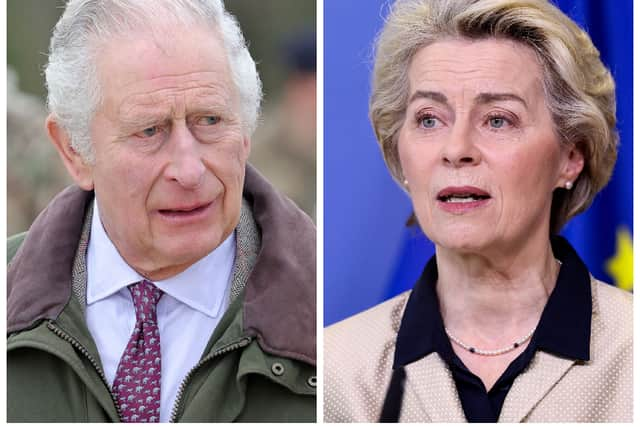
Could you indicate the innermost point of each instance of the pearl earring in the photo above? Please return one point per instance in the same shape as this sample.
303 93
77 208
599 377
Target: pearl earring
568 185
406 183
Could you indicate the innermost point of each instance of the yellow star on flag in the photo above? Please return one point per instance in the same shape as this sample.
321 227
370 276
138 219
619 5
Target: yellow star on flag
620 265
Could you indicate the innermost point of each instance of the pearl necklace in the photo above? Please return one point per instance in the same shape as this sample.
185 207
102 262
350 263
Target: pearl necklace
497 352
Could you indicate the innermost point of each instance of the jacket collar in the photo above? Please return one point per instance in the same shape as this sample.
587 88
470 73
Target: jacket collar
424 365
279 304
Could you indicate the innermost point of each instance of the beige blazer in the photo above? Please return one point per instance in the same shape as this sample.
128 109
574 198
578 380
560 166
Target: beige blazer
358 356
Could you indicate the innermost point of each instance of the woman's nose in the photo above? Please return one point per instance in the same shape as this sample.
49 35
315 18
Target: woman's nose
460 147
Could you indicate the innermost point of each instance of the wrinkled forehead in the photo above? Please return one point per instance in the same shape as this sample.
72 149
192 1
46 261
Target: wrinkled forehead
475 66
153 63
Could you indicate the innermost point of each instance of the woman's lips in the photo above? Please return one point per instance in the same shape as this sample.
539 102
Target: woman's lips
459 200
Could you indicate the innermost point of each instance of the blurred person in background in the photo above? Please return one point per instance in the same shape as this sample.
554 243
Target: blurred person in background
34 174
284 147
172 282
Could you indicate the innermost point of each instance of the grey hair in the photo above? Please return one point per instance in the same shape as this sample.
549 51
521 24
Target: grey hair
579 90
72 78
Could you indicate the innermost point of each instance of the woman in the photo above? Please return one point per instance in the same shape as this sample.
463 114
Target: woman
498 119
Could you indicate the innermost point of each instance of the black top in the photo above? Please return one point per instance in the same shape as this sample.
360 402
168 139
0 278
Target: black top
564 330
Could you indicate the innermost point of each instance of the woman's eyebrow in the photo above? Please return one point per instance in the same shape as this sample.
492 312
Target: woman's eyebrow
439 97
488 97
436 96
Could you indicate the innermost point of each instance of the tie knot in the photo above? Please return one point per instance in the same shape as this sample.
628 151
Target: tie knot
145 299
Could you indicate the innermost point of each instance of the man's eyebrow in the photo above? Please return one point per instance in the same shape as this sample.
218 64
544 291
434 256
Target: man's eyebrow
136 115
436 96
486 98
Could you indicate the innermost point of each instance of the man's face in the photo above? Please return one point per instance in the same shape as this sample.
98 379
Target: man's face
170 150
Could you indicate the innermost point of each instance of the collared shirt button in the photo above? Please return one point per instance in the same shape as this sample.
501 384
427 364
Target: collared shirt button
277 368
312 381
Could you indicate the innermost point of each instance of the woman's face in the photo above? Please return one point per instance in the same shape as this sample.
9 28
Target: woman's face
477 145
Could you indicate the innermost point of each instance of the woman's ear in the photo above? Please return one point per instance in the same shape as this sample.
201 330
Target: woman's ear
573 165
80 171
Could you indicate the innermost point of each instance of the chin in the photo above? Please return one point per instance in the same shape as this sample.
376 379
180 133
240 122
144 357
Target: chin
190 248
462 238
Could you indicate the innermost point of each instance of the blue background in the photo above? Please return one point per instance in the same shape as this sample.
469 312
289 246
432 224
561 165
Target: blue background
369 255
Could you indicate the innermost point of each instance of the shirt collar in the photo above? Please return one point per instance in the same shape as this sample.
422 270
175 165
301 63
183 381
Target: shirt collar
202 286
564 328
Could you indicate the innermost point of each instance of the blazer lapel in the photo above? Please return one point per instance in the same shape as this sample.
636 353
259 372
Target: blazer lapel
532 385
430 392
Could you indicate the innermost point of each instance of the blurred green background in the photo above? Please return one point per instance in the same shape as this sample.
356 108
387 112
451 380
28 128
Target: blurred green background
35 173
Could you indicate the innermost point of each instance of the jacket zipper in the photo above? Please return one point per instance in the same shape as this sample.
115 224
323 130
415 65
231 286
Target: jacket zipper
62 334
226 349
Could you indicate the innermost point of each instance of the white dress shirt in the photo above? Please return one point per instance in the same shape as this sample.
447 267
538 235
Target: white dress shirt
191 307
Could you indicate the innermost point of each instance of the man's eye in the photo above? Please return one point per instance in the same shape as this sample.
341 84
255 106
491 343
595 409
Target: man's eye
148 132
208 120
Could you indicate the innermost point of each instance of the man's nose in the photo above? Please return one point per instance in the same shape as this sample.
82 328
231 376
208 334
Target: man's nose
185 164
460 147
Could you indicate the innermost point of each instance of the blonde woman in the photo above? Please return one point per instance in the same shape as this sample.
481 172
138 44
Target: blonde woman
498 119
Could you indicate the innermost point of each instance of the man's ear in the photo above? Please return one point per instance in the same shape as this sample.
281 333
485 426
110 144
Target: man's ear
246 143
80 171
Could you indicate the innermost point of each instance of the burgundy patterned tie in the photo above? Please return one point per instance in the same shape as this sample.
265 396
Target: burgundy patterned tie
137 382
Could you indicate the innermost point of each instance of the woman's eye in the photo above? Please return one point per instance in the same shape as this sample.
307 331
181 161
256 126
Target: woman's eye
497 122
208 120
429 122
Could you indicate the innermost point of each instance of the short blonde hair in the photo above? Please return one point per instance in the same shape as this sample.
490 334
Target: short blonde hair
579 90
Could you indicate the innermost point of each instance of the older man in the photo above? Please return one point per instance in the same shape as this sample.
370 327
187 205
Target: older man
172 283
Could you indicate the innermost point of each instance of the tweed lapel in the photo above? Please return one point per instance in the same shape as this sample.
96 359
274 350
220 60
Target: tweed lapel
248 243
532 385
430 392
79 271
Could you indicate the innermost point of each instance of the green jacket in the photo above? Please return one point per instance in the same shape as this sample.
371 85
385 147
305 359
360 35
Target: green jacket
259 364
